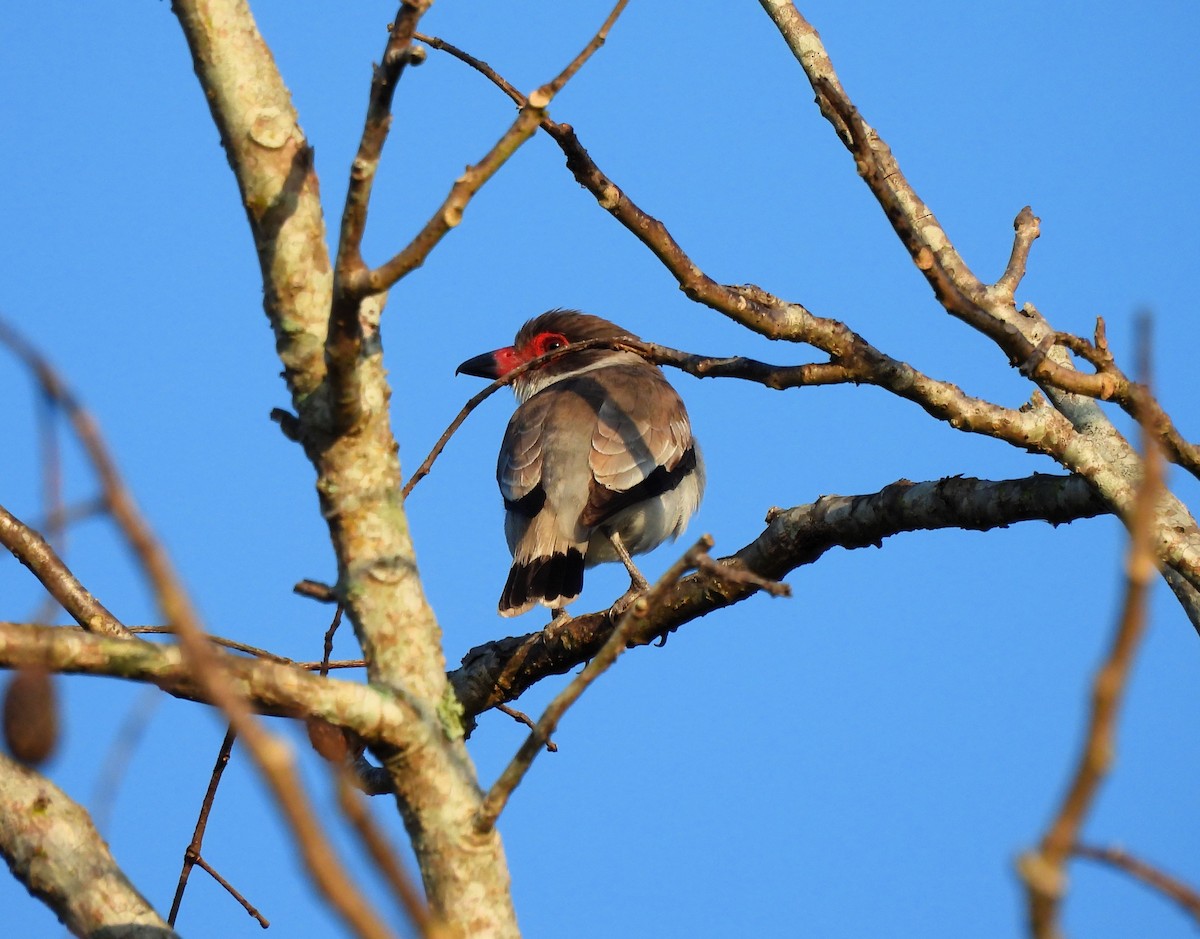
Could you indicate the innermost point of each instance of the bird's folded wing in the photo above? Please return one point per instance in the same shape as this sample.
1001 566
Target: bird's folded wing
638 452
519 469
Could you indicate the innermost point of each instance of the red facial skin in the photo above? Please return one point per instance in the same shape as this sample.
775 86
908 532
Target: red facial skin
497 364
510 357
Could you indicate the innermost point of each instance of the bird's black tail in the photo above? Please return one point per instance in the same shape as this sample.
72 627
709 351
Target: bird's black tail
552 580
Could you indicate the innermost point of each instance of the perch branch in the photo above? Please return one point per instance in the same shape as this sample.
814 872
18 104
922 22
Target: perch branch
499 672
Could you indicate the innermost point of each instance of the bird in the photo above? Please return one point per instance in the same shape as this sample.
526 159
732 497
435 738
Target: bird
598 462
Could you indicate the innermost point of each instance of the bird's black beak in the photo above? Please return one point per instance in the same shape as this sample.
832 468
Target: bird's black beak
482 366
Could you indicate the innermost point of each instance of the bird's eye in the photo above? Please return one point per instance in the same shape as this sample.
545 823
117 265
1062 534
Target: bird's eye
548 342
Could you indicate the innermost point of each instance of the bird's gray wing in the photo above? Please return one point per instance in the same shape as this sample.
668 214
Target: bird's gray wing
641 445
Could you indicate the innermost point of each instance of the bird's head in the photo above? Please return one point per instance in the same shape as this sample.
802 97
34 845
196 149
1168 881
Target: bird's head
545 333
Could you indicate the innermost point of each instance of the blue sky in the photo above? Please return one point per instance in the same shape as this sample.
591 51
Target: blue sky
866 758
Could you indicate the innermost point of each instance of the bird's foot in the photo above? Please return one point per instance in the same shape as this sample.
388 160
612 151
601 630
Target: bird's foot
559 617
622 604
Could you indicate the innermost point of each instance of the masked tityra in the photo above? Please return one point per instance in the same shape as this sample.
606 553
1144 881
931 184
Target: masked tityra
598 455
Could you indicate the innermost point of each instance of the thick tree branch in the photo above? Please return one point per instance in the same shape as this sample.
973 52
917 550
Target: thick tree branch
273 165
500 671
271 687
53 848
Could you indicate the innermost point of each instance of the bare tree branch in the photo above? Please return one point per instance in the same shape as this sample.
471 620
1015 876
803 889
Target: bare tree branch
28 547
1096 450
273 688
192 857
53 848
396 55
500 671
386 860
357 474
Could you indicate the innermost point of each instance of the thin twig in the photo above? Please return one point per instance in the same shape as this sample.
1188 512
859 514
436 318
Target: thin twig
315 590
312 666
192 852
478 64
233 891
477 399
396 55
576 64
522 718
276 763
329 634
1171 887
531 116
742 576
217 641
773 376
498 796
254 650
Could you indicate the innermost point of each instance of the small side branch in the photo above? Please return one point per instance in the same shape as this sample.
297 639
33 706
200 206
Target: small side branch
1172 888
1027 227
449 215
354 282
944 400
497 797
192 856
396 55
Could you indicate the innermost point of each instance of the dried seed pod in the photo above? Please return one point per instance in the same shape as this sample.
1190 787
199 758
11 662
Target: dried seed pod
31 716
327 740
